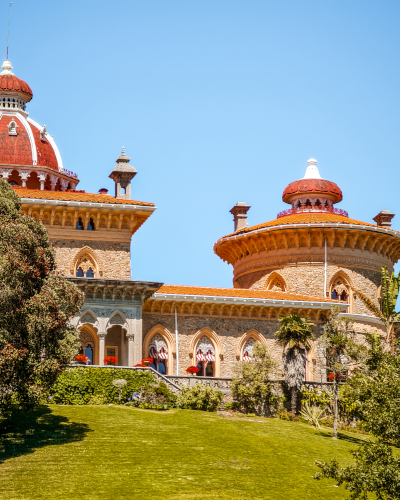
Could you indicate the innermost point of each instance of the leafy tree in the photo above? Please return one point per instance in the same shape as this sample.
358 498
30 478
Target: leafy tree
295 335
375 393
251 386
336 347
36 342
390 291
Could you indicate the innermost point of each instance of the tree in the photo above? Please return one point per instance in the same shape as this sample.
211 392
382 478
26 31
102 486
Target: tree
295 335
387 313
336 347
36 342
251 386
375 391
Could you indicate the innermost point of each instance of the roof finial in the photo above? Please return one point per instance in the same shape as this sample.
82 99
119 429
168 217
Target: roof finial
312 170
8 36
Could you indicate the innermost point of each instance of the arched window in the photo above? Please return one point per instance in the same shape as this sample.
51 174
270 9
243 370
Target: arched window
79 224
90 226
158 350
340 290
247 354
90 273
79 273
13 183
276 283
205 357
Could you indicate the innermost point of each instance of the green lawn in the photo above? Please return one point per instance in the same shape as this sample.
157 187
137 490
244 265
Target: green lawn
112 452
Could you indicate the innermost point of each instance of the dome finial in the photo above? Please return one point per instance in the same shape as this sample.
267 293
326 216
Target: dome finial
6 67
312 170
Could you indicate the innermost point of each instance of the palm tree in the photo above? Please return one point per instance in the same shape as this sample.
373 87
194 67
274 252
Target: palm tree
295 336
387 313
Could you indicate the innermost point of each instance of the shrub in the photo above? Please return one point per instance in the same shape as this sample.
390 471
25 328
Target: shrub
251 387
157 397
77 386
200 397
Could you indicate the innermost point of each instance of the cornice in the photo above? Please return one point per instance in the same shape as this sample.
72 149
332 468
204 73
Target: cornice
86 205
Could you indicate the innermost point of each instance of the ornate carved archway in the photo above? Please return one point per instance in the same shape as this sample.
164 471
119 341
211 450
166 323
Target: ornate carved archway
161 334
85 263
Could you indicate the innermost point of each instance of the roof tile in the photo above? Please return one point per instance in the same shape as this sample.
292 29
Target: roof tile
240 292
74 196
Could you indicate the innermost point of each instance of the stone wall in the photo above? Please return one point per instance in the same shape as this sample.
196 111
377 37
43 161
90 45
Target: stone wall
113 257
228 330
309 279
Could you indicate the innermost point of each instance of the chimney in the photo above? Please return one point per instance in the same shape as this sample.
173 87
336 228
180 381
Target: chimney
239 212
384 219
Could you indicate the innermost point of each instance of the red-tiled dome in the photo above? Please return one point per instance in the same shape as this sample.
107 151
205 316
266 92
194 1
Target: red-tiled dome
312 186
14 84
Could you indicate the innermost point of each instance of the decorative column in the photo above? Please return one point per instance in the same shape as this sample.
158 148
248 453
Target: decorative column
24 174
131 349
5 173
42 176
53 181
64 184
102 342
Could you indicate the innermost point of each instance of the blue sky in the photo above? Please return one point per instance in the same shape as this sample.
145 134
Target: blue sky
216 102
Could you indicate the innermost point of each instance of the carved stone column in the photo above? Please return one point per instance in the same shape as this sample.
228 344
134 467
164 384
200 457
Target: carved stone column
53 181
42 176
24 174
5 173
64 184
131 349
102 342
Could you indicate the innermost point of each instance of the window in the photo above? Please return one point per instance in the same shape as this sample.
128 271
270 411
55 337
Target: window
158 351
79 224
340 290
112 351
89 353
90 273
13 183
90 226
79 273
85 270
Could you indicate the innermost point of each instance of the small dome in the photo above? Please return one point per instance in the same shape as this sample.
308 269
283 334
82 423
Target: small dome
9 82
309 187
312 185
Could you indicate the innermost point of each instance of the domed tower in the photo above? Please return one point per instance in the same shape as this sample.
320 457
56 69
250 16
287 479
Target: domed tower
313 248
29 157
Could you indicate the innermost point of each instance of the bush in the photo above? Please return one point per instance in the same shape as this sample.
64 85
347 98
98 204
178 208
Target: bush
200 397
82 386
157 397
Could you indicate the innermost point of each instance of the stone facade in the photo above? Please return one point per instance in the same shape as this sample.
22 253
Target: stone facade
111 258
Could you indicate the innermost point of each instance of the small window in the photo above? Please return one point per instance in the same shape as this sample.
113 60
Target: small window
79 273
79 224
13 183
90 226
90 273
334 295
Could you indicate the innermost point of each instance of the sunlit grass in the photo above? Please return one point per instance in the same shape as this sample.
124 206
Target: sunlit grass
111 452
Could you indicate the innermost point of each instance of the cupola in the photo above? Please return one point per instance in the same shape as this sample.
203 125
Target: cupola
312 192
122 175
14 92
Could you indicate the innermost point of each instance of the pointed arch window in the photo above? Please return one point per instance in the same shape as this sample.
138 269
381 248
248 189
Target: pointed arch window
340 290
79 224
79 273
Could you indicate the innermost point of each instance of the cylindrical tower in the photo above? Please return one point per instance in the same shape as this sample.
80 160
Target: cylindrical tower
313 248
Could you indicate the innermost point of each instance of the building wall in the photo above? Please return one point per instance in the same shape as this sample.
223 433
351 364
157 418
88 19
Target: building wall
113 258
309 278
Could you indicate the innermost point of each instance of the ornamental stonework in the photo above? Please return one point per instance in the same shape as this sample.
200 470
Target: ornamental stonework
113 257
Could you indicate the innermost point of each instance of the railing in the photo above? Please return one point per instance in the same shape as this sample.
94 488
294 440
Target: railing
313 209
71 174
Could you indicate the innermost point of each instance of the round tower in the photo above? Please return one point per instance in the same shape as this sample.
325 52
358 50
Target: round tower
313 247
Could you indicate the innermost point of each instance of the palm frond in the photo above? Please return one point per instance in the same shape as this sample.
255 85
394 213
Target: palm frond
312 414
371 306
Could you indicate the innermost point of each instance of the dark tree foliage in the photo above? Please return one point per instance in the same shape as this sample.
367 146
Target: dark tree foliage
36 342
374 393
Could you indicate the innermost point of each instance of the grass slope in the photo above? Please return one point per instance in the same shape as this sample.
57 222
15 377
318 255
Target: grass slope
111 452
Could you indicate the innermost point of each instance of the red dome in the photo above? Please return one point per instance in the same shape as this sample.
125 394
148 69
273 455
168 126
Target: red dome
14 84
312 186
26 147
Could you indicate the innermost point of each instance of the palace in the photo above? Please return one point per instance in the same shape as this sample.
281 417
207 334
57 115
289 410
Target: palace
311 257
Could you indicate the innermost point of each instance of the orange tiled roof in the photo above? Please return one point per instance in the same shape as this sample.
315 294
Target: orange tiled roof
74 196
305 218
240 292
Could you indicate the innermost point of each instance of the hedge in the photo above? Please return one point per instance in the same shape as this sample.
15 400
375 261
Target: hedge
82 386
